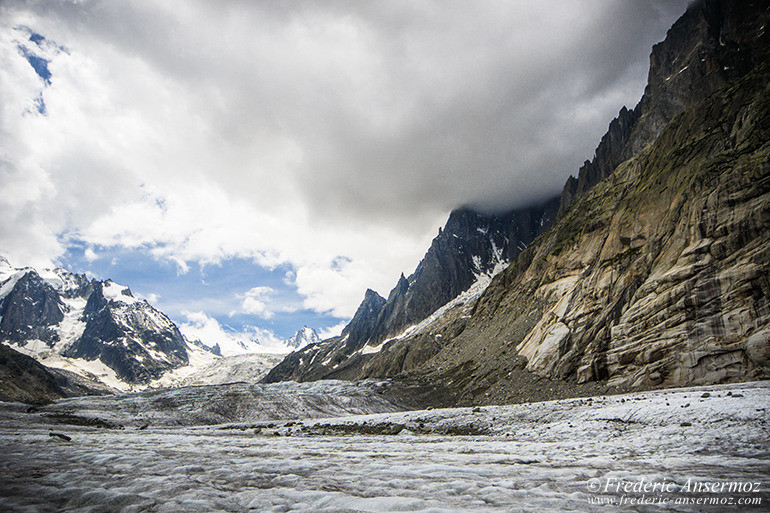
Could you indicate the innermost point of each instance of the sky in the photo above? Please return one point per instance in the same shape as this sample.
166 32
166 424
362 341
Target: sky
253 167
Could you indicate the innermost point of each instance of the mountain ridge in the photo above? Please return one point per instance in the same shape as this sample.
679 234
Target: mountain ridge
94 328
471 247
707 40
478 349
642 298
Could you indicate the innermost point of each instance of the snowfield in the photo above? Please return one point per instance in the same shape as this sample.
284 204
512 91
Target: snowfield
699 449
230 369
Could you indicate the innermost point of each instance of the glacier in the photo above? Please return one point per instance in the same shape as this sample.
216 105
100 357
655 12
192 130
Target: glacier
566 455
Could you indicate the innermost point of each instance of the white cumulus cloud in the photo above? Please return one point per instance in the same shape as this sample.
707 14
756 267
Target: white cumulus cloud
332 138
256 301
210 332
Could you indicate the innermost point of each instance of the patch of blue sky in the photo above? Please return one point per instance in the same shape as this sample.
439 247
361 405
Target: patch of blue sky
39 64
217 290
36 38
39 104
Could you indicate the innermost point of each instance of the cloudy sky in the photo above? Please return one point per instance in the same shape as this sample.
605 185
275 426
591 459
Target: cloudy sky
250 167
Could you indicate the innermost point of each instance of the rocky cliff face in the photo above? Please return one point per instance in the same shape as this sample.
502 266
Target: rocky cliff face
319 360
472 246
657 276
655 272
607 156
63 318
30 309
714 43
303 337
128 335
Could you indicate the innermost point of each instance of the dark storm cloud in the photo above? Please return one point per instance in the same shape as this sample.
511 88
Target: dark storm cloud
496 106
398 107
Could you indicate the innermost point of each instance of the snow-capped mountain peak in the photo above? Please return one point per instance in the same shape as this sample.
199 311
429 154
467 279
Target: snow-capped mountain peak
304 336
115 292
94 328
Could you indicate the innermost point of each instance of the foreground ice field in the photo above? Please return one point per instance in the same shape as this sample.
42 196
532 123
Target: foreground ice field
696 449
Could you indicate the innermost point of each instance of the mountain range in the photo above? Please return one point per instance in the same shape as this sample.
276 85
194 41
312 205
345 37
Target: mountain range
96 336
463 257
649 270
94 326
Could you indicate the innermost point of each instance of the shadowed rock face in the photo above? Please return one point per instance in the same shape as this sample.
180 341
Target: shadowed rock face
22 379
607 156
714 43
361 327
471 244
30 311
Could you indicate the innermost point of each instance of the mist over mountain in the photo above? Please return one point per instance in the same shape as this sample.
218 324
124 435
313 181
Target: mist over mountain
623 279
254 167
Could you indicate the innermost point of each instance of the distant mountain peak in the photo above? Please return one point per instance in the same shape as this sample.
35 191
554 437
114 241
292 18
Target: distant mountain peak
304 336
470 248
66 320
